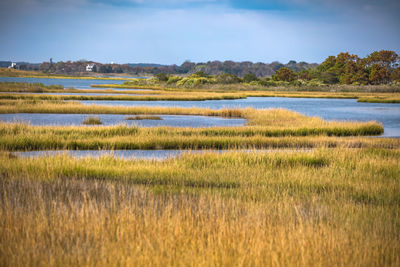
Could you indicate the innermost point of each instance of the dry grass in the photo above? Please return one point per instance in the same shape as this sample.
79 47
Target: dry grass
321 208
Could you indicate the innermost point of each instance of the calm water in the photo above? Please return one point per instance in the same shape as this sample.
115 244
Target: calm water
326 108
137 154
80 94
75 83
111 119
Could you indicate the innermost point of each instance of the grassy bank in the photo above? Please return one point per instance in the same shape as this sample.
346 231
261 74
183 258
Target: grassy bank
29 87
21 87
167 97
375 94
264 127
380 99
152 84
326 207
193 94
19 136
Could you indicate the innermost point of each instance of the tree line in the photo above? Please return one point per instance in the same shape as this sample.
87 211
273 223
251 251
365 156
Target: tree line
379 67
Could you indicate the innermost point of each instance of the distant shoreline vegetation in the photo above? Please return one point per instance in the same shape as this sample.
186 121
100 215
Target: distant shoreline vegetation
379 67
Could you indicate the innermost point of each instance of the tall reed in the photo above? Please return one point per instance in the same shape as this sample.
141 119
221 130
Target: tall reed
325 207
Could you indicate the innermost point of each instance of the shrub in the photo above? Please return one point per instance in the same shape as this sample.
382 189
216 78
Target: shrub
174 79
227 78
249 77
162 77
92 121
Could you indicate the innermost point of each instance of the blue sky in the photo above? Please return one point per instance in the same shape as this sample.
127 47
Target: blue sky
172 31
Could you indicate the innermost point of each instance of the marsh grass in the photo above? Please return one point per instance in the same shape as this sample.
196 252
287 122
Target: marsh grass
167 96
265 129
324 207
19 136
143 117
40 88
92 121
371 94
28 87
273 118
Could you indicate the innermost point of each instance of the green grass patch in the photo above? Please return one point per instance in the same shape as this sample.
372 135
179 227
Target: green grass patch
92 121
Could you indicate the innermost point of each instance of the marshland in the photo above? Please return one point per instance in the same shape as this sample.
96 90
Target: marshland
303 178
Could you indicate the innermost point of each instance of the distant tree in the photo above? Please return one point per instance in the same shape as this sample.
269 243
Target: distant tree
305 75
327 64
384 58
249 77
284 74
227 78
395 76
201 74
379 74
329 77
161 77
186 67
105 69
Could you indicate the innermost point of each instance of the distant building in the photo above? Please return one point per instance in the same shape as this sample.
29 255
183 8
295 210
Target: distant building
90 67
13 65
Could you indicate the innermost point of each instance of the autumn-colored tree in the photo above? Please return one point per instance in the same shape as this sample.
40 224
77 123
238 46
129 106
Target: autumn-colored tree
305 75
379 74
284 74
384 58
395 76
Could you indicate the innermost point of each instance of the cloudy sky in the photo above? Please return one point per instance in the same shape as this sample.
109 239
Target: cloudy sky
172 31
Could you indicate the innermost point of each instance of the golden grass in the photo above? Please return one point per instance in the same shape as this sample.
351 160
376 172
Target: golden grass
18 136
337 91
260 117
321 208
169 96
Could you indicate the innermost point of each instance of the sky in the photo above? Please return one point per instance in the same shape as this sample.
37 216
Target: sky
173 31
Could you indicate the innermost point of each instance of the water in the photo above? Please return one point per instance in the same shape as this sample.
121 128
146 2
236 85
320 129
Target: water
138 154
75 83
80 94
111 119
326 108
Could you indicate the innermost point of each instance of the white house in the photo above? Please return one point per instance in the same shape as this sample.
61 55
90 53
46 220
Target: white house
90 67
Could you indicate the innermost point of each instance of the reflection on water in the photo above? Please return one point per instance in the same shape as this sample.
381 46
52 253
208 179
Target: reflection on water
326 108
111 119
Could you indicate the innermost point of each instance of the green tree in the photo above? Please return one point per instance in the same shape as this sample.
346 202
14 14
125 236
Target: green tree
249 77
162 77
227 78
201 74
